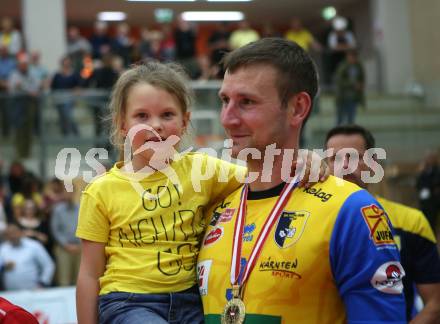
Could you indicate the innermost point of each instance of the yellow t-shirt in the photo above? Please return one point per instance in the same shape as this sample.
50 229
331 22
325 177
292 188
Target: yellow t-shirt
152 240
303 38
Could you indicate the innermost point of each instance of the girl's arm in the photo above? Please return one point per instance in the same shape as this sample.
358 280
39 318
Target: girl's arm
87 288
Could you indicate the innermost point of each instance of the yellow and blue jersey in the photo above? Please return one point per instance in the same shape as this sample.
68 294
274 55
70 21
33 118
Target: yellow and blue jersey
330 258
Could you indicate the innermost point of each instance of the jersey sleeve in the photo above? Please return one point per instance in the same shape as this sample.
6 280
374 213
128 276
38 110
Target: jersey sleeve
365 262
93 222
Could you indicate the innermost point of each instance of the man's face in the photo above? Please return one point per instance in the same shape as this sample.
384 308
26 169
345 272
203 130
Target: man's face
251 109
341 141
13 234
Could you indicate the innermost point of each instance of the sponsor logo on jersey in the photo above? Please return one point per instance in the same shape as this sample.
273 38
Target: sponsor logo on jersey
388 278
318 193
280 269
203 270
216 214
213 236
248 231
226 216
377 222
290 227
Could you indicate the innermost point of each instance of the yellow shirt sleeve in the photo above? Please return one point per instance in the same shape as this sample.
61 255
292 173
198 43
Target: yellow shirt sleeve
93 222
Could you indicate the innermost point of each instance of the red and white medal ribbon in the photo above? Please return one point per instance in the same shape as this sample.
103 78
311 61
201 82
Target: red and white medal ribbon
239 228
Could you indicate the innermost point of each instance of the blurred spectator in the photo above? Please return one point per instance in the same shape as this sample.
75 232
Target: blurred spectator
53 193
24 88
41 74
122 43
3 217
25 262
63 224
428 186
144 45
16 177
100 40
300 35
103 78
29 190
68 80
32 224
243 35
349 80
185 38
77 47
168 43
10 37
339 41
218 44
268 30
7 66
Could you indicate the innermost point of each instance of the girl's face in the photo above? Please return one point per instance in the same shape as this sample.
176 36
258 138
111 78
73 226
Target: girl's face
156 109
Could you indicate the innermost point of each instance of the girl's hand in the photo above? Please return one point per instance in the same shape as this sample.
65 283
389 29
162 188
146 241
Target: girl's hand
316 169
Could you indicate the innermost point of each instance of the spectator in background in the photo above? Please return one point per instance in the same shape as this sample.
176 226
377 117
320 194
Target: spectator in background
122 43
33 225
103 78
64 82
7 66
53 193
349 81
25 262
100 40
63 225
41 74
144 45
428 187
16 177
243 35
185 38
24 89
10 37
77 47
302 36
29 190
3 217
168 43
218 45
339 41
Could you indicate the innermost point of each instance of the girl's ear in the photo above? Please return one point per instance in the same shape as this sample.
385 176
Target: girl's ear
186 119
299 107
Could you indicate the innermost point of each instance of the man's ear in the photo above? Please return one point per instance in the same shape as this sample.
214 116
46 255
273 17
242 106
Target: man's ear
299 107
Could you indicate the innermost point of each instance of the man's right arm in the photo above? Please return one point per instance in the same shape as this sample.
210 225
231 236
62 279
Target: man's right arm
87 289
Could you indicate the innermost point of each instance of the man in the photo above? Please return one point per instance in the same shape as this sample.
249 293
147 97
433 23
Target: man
414 236
318 263
24 262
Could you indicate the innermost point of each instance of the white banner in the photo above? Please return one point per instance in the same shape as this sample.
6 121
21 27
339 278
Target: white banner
49 306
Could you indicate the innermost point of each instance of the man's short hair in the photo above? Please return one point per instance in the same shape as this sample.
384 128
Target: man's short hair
296 71
353 130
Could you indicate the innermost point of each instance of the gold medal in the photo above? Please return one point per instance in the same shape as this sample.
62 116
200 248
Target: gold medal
234 312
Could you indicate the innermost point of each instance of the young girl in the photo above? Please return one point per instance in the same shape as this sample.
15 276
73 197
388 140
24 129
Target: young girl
141 232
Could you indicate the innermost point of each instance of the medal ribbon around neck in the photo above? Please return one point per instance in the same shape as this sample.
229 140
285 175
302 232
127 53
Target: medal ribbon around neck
239 227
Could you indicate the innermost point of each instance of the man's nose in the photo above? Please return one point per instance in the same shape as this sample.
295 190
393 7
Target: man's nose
229 115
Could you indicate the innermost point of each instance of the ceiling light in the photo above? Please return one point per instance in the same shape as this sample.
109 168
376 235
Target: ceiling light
229 0
212 16
328 13
111 16
161 0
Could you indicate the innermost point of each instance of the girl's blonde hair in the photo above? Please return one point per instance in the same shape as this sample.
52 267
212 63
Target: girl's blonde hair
166 76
